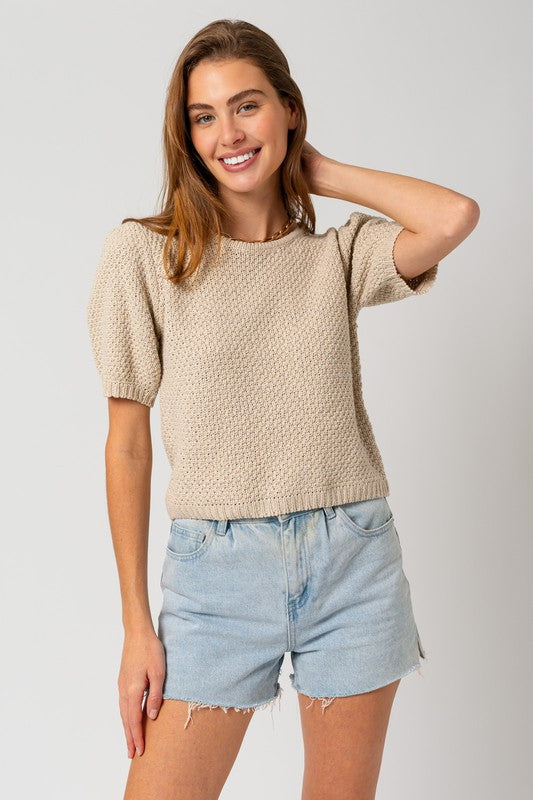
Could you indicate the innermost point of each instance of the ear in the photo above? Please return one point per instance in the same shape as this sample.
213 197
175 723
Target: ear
294 115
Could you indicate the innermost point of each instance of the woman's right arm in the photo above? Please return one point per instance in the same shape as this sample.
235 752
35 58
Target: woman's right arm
128 461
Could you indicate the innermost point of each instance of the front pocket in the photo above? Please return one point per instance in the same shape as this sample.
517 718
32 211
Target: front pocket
367 517
188 538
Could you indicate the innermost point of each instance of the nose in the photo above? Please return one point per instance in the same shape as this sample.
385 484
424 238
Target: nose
230 142
231 134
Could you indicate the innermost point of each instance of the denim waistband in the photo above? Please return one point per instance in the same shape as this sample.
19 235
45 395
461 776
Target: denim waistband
222 524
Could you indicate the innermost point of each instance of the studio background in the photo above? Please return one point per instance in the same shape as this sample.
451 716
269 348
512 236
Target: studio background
438 92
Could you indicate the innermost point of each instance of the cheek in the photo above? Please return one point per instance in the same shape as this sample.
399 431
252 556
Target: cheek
200 139
278 135
278 143
198 142
266 130
205 150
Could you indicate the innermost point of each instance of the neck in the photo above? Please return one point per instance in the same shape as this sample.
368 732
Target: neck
253 218
278 233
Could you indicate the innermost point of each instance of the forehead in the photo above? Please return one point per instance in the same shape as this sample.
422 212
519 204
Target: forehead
214 83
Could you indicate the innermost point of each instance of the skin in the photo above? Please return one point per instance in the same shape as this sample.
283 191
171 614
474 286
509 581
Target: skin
252 198
343 746
343 749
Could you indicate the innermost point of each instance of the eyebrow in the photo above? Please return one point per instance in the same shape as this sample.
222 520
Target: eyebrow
229 102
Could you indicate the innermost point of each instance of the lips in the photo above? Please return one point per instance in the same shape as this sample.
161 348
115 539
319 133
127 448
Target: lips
253 150
239 167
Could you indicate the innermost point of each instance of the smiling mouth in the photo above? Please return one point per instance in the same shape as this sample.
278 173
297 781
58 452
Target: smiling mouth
253 151
243 162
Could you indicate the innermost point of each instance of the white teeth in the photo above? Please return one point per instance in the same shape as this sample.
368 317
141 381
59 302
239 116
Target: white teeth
240 159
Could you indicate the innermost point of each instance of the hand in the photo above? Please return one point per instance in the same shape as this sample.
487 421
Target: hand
312 164
143 662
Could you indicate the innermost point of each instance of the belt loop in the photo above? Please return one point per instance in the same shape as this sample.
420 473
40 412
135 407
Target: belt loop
221 527
329 511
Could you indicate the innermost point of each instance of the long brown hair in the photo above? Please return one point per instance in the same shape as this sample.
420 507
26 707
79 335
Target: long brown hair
191 208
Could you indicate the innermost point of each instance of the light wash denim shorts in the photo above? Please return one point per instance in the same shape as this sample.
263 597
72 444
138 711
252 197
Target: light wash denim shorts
326 585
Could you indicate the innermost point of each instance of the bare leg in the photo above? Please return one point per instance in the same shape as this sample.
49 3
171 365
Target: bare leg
186 763
343 743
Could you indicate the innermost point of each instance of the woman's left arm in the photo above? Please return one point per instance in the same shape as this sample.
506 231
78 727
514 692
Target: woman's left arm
436 219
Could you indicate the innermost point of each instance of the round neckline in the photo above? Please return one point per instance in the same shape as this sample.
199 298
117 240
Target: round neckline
238 245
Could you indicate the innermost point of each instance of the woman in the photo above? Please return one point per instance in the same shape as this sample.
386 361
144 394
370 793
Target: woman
281 538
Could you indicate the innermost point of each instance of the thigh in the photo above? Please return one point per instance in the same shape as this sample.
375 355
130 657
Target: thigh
344 746
186 764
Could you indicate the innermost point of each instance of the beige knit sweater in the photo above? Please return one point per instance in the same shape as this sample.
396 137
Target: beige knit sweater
256 362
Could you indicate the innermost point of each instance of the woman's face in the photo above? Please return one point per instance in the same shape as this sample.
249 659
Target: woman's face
222 124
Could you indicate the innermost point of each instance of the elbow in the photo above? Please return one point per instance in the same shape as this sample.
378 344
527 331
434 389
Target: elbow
472 213
464 220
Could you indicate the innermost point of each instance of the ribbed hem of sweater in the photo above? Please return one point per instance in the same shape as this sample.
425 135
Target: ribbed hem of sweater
281 504
418 285
128 391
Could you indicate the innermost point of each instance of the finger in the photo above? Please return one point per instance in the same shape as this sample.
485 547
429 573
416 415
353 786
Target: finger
135 718
123 704
155 695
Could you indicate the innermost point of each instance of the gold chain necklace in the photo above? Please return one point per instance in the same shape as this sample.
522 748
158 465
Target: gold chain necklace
277 235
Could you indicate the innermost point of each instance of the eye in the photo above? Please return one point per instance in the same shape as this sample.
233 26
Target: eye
198 120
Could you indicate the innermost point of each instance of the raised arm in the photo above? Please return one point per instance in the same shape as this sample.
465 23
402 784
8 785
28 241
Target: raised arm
436 219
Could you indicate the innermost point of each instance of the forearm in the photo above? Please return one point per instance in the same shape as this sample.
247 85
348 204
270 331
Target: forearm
128 479
420 206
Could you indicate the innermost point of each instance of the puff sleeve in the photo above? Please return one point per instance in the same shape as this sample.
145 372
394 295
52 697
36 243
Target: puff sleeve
366 243
123 316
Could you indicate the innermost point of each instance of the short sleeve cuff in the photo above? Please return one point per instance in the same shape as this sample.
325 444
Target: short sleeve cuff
129 392
404 287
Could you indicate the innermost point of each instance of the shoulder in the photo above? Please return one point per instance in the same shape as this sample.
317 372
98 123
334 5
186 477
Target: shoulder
344 235
127 264
366 235
367 225
142 244
127 235
337 242
127 249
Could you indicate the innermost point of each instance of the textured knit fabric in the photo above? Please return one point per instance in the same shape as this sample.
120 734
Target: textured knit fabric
256 362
